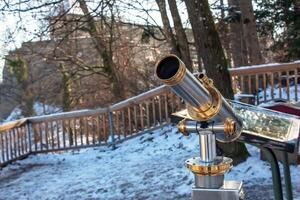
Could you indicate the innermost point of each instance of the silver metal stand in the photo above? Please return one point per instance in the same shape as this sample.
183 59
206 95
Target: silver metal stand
204 103
230 190
209 171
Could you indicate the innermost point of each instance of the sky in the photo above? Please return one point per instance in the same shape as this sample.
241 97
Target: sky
12 38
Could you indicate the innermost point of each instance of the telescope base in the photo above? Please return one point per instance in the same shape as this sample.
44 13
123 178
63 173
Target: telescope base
209 181
231 190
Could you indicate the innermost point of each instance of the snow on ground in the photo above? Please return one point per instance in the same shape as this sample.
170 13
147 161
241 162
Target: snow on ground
279 92
44 109
276 93
16 113
150 166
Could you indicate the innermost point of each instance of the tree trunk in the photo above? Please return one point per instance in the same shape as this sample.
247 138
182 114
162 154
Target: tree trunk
28 98
294 32
67 88
104 52
167 27
255 56
27 102
18 67
66 99
223 31
209 46
181 37
237 43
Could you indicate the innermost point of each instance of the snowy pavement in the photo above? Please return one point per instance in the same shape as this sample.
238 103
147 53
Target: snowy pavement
150 166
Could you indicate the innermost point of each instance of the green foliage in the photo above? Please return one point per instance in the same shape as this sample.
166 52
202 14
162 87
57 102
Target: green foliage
281 20
18 68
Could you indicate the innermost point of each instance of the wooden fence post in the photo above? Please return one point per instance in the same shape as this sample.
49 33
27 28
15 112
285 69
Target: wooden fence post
111 129
29 135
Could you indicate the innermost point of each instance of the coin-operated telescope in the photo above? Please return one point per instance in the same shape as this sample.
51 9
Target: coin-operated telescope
211 117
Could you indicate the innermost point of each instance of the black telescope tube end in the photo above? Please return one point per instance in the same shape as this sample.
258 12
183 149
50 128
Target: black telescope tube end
167 67
170 70
201 75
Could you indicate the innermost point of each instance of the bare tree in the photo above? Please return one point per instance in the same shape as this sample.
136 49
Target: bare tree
19 68
237 36
90 53
223 30
104 50
208 44
249 23
181 38
167 27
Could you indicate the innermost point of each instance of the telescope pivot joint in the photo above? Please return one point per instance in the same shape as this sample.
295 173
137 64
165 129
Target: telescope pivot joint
186 127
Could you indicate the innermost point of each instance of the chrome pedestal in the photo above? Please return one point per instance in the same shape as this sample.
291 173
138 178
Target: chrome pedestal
230 190
209 170
209 181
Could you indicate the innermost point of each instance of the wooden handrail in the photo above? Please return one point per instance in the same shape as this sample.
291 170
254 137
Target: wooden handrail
264 68
68 115
139 98
12 124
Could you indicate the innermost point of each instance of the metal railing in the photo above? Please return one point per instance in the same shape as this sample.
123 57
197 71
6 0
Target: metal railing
149 110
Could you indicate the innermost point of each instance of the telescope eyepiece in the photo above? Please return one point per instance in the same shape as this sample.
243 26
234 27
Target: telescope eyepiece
167 67
170 70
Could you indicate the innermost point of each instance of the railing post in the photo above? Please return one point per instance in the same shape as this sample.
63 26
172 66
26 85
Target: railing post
111 129
29 135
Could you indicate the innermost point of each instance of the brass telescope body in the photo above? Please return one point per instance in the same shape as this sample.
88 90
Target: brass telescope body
204 101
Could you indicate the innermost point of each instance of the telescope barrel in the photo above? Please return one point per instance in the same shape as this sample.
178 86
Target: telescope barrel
172 72
204 101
